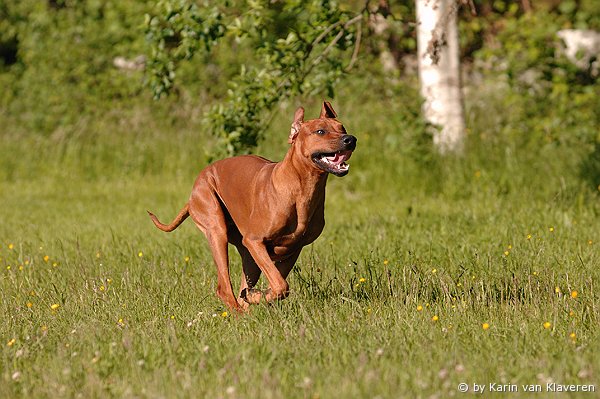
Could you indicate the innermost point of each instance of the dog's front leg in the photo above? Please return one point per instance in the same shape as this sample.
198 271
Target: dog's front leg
250 275
278 287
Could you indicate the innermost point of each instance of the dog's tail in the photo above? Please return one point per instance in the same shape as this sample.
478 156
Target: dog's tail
183 214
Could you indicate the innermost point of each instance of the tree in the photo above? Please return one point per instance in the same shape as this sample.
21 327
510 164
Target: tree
439 72
320 44
308 57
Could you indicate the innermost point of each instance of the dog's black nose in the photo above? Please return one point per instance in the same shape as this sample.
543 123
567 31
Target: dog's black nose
349 141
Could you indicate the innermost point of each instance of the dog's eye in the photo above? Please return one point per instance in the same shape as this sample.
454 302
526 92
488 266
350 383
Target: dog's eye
320 132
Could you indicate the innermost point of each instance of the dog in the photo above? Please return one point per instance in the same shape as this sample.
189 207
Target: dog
269 211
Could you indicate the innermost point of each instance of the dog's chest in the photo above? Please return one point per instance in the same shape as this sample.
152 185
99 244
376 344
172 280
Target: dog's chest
301 228
311 231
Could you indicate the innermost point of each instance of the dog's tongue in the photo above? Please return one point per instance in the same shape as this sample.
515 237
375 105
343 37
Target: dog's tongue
340 157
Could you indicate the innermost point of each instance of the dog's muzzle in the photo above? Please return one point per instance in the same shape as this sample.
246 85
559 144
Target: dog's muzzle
335 162
349 142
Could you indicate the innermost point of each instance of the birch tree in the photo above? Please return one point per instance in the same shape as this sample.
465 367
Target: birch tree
439 72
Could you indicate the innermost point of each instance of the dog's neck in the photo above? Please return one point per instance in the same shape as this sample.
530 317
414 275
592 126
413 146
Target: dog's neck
310 181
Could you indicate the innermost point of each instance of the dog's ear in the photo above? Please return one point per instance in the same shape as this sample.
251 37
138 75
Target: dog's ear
298 119
327 111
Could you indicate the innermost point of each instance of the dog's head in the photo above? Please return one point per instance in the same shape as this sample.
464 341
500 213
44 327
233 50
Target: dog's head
323 141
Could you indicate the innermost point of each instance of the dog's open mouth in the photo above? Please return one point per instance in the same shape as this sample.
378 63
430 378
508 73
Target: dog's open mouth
333 162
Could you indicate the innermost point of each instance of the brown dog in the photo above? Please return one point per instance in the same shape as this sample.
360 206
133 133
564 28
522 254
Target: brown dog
268 210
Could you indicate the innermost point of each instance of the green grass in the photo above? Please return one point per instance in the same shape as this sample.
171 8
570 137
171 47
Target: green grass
404 229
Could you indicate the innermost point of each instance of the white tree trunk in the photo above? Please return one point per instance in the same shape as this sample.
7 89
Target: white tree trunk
439 72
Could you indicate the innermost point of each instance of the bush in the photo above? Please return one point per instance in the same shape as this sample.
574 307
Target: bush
63 68
548 101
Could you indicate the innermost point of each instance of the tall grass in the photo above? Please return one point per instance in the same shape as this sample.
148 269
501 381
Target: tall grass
418 253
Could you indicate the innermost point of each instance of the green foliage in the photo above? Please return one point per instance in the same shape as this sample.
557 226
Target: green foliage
178 30
481 24
63 71
8 35
580 14
527 44
551 101
305 58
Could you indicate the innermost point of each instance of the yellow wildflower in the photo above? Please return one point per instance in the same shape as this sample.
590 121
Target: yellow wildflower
224 314
385 262
485 326
11 342
435 318
46 258
574 294
547 325
419 308
10 246
54 306
362 280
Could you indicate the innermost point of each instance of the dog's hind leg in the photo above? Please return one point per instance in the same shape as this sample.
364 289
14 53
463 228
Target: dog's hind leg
218 246
210 219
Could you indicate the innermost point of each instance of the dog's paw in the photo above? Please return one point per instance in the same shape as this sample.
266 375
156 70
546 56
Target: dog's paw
245 306
251 296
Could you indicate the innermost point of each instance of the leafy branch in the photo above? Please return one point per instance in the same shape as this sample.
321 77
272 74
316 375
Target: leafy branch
321 44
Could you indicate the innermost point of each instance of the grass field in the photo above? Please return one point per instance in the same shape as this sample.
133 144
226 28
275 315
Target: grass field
430 272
